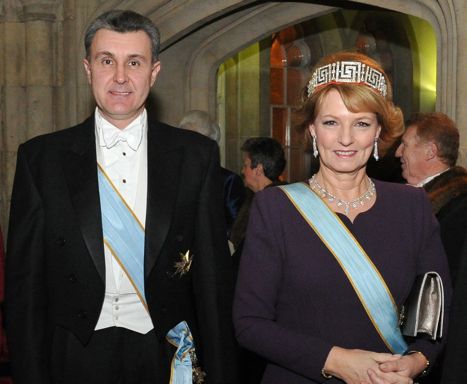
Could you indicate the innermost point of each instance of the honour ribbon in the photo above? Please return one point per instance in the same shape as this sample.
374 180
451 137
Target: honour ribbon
182 366
123 233
366 280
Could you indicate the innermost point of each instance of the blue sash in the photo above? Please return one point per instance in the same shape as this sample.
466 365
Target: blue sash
123 233
183 367
369 285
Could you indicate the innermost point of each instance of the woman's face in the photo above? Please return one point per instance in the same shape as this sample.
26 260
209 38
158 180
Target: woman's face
345 139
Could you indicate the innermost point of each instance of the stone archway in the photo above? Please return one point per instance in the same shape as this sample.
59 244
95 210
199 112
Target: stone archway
228 34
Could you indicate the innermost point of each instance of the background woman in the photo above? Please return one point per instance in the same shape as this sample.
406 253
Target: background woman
301 305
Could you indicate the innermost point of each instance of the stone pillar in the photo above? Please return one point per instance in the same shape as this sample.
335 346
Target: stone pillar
41 44
28 63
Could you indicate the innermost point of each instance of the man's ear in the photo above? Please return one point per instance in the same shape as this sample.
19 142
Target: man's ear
431 150
156 67
87 69
259 170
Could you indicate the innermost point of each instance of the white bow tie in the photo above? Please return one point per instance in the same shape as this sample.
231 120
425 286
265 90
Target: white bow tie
132 135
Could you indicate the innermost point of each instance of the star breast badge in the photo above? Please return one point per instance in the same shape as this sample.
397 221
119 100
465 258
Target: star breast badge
184 264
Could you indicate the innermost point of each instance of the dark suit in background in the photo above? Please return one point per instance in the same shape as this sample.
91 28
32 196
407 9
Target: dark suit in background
234 195
448 195
454 367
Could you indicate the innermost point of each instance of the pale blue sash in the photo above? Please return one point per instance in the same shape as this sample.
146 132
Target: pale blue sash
182 366
123 233
368 283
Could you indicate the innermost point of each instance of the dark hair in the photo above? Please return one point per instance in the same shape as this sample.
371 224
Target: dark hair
441 130
356 97
123 21
268 152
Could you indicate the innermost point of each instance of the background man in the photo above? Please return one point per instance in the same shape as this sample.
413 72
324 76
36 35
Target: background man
233 188
263 163
117 248
428 154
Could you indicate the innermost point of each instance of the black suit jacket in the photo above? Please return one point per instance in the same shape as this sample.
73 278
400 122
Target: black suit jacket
234 195
454 369
55 256
448 195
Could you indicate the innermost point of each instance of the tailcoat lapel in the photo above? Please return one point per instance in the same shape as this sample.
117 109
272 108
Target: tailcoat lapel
80 168
164 162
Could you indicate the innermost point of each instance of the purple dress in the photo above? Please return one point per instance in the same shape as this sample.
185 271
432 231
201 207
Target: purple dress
293 302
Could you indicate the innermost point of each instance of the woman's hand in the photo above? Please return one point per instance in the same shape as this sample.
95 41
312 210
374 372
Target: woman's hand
353 365
410 365
388 378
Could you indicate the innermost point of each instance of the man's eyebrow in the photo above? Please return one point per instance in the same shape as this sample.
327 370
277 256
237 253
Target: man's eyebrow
130 56
103 53
137 56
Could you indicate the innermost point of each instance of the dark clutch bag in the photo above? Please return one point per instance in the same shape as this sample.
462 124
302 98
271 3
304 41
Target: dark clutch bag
423 312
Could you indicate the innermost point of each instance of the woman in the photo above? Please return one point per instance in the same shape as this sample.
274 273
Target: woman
308 310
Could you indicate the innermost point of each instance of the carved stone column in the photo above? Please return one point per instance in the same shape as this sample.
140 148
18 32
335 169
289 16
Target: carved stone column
29 63
41 45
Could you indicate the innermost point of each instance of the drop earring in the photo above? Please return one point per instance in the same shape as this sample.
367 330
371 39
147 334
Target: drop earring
315 148
375 149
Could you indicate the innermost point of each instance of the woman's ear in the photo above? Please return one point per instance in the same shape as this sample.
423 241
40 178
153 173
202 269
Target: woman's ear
378 132
311 129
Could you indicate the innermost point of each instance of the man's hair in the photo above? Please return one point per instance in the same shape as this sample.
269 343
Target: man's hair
201 122
123 21
268 152
441 130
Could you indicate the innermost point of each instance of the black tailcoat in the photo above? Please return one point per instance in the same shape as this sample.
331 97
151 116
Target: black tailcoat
55 257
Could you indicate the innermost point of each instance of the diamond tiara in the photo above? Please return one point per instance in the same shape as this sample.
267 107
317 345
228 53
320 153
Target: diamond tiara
347 72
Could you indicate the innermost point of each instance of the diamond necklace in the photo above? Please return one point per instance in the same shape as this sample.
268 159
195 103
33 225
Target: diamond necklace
356 203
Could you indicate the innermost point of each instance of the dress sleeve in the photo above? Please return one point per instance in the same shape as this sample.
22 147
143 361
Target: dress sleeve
257 291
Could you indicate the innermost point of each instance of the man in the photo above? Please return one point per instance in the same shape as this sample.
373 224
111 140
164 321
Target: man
263 163
428 154
233 188
117 258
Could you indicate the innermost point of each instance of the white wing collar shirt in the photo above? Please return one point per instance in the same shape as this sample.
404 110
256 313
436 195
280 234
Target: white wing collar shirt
428 179
122 154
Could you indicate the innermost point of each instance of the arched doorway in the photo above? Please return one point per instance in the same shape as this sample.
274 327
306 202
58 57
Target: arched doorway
285 59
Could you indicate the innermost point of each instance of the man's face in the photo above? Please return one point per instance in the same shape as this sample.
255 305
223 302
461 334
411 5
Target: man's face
413 154
249 174
121 73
